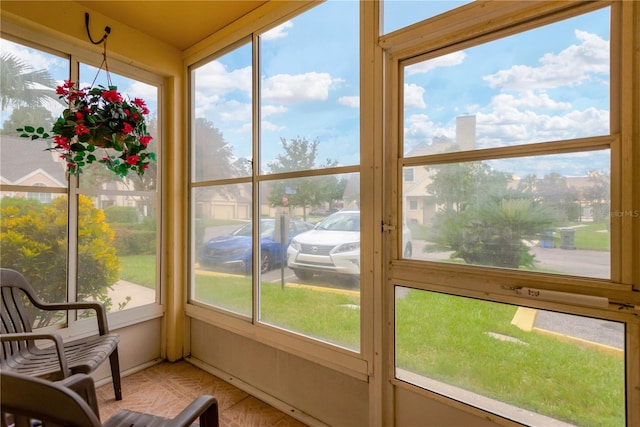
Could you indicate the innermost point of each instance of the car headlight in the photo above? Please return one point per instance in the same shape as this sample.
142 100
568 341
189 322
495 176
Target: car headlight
295 245
347 247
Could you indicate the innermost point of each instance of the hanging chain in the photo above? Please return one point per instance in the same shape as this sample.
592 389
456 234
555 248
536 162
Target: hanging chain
105 65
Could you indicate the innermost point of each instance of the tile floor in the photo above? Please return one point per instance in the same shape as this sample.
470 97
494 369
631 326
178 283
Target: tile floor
165 389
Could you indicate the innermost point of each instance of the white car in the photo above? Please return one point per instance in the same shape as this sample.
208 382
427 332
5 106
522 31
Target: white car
333 246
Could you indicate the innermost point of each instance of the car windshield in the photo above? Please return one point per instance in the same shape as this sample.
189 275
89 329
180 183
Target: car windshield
340 222
266 229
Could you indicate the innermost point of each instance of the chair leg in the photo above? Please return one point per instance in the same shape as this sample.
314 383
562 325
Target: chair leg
210 417
115 373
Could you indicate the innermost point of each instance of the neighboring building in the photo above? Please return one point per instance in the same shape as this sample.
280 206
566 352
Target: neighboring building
419 206
27 162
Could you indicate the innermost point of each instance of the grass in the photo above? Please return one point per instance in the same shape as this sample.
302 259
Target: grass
326 316
139 269
590 236
441 337
446 338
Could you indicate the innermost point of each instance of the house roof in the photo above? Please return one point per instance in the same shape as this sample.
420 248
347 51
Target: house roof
20 158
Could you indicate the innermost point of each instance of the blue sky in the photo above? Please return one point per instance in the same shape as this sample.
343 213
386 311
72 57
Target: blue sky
546 84
58 68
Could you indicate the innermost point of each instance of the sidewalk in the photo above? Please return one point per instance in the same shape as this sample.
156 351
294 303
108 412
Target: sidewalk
139 295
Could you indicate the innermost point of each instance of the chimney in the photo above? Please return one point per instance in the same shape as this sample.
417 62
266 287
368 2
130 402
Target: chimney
466 132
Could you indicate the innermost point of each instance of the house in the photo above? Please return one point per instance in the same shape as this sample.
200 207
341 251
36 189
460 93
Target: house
396 350
26 162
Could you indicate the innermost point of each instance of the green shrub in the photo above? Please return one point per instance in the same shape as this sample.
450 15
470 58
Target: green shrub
121 214
132 241
33 241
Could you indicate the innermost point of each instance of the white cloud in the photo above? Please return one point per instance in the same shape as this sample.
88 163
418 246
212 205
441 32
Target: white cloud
571 67
234 111
449 60
268 110
290 89
141 90
277 32
35 59
414 96
349 101
421 129
214 78
507 124
269 126
214 82
531 99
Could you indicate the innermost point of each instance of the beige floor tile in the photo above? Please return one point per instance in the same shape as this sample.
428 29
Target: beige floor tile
166 388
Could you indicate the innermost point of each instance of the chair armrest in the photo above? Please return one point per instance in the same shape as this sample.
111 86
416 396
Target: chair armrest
32 336
97 306
83 385
204 407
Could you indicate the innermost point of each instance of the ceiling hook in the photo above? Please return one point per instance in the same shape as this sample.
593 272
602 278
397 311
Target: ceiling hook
107 30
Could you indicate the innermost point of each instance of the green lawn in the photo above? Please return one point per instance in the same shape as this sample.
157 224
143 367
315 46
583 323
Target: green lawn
328 316
139 269
446 338
591 236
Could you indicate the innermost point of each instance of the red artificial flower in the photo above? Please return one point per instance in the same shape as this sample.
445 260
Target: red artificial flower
62 141
145 140
72 96
79 115
111 96
68 83
61 91
127 128
133 160
134 116
140 104
80 129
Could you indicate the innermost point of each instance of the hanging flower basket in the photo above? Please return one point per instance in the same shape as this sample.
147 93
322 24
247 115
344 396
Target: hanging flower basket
99 117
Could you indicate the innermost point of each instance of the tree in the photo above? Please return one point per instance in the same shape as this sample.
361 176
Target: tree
480 219
554 192
33 241
599 195
22 116
458 184
20 85
213 155
496 234
300 154
528 184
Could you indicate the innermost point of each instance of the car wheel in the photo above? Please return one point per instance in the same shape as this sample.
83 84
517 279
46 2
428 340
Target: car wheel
303 274
266 262
408 250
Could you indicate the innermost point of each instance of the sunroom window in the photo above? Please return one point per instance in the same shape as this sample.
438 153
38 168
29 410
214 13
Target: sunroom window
513 140
524 209
92 237
275 177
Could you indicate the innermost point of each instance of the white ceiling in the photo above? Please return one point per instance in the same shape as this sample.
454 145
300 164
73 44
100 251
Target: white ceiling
178 23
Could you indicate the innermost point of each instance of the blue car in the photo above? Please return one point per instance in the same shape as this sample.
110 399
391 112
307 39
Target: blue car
233 251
